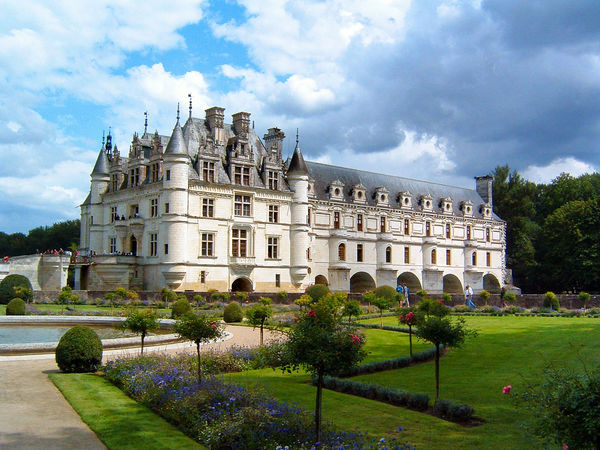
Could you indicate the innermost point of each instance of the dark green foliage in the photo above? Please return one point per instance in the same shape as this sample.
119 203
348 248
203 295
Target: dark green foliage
259 313
16 307
396 397
63 235
447 298
241 296
389 364
351 308
141 322
484 295
456 412
380 302
79 350
317 291
233 313
510 298
219 296
24 293
8 285
551 301
386 291
430 307
180 307
565 408
585 298
282 295
66 296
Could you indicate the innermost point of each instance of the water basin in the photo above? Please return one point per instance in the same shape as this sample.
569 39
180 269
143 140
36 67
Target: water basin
29 334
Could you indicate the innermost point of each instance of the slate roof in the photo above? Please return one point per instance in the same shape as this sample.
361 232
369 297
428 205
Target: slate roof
101 166
297 164
176 145
324 174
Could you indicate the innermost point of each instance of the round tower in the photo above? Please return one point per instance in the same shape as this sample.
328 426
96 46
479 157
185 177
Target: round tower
174 198
297 176
100 179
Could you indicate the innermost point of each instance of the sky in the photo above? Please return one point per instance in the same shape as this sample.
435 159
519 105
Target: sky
434 90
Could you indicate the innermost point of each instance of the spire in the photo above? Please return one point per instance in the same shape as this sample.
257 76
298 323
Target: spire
145 121
177 112
190 97
176 145
297 164
101 166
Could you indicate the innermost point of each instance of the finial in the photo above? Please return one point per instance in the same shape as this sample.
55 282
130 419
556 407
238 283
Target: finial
177 112
102 138
190 97
145 121
253 124
297 138
109 128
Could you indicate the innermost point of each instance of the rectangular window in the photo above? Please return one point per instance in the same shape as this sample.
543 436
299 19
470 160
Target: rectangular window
359 252
242 205
308 254
134 177
112 245
154 207
406 227
474 259
208 171
154 171
487 234
272 248
241 175
134 211
359 222
448 231
239 242
406 255
427 228
153 244
203 276
166 249
382 224
113 214
208 207
308 216
448 258
336 220
468 232
273 213
488 259
114 180
277 280
208 241
168 175
167 208
273 179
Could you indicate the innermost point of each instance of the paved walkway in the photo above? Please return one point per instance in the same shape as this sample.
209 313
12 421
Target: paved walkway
34 414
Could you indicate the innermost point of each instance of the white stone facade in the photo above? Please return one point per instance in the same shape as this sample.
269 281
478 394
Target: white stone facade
214 207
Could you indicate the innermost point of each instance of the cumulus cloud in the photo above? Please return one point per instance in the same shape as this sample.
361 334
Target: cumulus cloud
545 174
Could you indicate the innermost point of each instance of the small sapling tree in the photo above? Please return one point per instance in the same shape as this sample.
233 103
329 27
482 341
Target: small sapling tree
65 297
259 313
583 296
141 322
440 331
199 329
485 296
320 342
409 318
380 302
25 293
351 308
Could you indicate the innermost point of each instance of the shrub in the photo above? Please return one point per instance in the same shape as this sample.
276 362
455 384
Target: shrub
199 300
181 306
241 296
79 350
484 295
167 295
16 307
66 296
456 412
282 295
551 301
304 301
386 292
8 285
585 298
132 295
317 291
23 293
510 298
422 294
461 309
233 313
219 296
430 307
121 292
447 298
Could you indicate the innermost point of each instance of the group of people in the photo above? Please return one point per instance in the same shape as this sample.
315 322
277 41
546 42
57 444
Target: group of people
403 289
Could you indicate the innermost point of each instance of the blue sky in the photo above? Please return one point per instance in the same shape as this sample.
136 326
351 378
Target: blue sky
436 90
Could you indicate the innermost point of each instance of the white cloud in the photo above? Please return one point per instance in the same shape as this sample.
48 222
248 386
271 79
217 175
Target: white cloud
545 174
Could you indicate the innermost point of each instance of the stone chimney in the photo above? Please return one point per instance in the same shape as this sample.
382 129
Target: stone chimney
484 187
214 117
274 143
241 125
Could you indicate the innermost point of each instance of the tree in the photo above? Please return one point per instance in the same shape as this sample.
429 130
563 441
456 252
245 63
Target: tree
409 318
485 296
440 331
259 313
320 342
141 322
380 302
565 407
585 298
24 293
65 297
351 308
199 329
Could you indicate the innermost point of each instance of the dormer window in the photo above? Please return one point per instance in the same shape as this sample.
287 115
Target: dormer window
426 202
485 209
273 179
381 196
154 171
404 199
336 190
241 175
359 194
208 171
446 205
467 208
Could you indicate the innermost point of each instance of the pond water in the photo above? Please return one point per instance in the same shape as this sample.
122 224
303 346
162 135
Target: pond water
30 334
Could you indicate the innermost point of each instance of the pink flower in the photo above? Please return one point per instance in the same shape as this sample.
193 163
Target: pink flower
355 338
312 313
440 302
506 389
295 319
565 446
214 326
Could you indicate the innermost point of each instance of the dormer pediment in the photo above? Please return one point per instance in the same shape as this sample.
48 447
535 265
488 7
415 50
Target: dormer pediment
405 199
446 205
485 209
336 190
359 193
381 196
467 207
426 202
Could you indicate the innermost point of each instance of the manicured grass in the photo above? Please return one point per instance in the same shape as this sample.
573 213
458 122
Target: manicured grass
118 421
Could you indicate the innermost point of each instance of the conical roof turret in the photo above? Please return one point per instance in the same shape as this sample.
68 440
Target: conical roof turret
176 145
297 164
102 166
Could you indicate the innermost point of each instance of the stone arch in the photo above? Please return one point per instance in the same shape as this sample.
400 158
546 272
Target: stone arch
241 285
321 279
491 283
452 284
133 245
361 282
411 280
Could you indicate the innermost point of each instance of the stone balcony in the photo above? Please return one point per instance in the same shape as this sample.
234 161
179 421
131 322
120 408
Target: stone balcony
242 261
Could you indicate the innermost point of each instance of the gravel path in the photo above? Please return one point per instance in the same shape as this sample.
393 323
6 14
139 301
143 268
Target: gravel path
34 414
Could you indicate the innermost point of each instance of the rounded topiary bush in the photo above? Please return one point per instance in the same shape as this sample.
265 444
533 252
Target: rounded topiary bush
317 291
8 284
233 313
180 307
551 301
79 350
386 291
16 307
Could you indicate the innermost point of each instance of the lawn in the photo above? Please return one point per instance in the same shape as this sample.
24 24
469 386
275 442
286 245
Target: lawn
116 419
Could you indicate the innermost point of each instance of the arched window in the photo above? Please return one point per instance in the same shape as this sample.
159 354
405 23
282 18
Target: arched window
388 254
474 258
434 256
342 252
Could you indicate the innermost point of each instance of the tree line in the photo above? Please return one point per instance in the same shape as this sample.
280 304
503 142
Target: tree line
63 235
553 230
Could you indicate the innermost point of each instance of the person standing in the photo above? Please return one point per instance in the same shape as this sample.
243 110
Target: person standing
406 293
469 297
